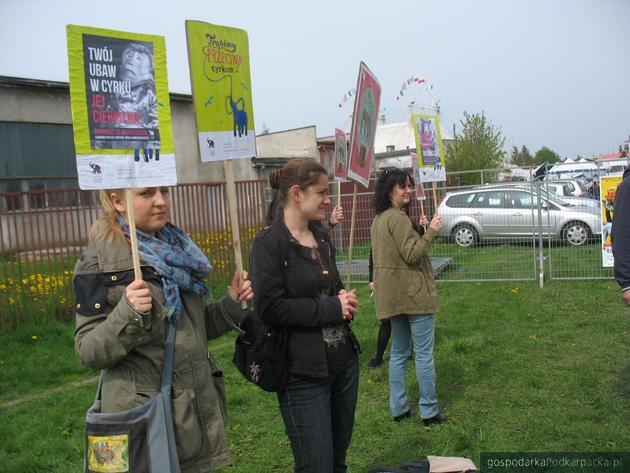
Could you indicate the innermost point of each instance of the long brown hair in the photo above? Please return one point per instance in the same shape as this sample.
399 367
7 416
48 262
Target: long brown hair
299 171
110 217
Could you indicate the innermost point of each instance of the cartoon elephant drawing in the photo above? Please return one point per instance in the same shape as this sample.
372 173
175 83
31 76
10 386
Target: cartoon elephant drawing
240 115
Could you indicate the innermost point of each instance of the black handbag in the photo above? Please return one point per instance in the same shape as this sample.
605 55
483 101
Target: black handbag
260 354
139 440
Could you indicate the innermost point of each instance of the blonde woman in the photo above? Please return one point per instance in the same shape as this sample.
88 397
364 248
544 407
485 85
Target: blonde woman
121 322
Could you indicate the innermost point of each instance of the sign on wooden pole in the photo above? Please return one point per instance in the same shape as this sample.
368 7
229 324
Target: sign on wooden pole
218 58
121 114
364 121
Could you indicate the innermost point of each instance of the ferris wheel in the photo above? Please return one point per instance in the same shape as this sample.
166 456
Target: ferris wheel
417 94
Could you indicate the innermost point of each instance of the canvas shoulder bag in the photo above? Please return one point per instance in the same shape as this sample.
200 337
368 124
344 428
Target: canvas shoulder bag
139 440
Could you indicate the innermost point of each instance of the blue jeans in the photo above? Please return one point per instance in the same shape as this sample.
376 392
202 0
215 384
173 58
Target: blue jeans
419 329
318 417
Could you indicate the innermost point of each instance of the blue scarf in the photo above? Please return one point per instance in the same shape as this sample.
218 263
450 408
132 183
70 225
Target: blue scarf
177 259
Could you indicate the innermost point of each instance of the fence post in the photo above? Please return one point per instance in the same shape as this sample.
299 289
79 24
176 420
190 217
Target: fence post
541 256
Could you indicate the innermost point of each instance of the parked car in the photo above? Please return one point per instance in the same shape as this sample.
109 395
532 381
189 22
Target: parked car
581 202
510 212
567 188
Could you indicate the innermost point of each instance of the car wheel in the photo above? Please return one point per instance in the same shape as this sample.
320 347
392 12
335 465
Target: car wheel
576 233
465 235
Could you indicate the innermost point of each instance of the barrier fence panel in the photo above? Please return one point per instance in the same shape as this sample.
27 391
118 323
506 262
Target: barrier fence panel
464 251
503 231
43 232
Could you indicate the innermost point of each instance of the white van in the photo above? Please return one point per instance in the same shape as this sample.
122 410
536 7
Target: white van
567 188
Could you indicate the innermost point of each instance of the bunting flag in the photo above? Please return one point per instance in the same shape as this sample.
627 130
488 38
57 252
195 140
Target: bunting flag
407 83
350 93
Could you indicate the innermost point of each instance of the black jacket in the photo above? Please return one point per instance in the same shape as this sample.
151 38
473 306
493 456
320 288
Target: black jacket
621 233
286 294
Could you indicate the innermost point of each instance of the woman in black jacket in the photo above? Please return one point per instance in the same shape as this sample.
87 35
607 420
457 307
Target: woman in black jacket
297 287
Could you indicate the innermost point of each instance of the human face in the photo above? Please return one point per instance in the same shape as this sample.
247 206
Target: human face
401 195
136 66
151 205
312 200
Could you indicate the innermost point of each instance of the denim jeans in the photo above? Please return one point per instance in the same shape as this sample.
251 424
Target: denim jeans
419 329
318 416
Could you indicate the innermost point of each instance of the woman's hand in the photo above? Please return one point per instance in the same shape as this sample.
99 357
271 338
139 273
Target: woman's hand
138 296
336 216
349 303
371 286
245 291
436 222
424 221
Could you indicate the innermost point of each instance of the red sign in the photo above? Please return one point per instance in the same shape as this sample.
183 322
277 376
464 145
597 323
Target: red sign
364 120
341 156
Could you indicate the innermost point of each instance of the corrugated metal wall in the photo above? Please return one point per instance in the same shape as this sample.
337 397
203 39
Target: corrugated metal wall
36 150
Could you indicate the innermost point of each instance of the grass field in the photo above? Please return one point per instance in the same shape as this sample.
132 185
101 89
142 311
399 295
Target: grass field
518 369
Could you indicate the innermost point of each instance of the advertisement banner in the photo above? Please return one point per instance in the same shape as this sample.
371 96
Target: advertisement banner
218 57
120 109
341 156
431 160
420 195
608 191
364 121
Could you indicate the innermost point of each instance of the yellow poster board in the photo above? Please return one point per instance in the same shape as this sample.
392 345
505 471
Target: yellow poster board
431 159
222 92
608 192
120 109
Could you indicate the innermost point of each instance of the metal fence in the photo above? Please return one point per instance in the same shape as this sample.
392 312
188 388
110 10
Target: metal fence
507 231
497 232
42 233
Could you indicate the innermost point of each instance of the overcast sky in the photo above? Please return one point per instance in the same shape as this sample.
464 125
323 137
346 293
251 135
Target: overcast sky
552 73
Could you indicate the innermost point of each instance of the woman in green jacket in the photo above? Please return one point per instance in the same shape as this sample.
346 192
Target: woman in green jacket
405 291
121 322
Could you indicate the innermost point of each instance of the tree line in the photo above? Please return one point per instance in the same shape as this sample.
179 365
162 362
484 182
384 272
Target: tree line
480 145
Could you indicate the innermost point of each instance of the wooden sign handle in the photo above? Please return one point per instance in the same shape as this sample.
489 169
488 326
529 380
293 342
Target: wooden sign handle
352 220
230 188
131 220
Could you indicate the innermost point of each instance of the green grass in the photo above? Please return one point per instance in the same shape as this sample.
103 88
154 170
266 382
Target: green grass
518 369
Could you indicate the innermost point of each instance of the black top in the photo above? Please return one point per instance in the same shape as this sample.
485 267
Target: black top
287 293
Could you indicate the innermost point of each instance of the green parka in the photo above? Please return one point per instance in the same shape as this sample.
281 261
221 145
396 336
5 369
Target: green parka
129 346
403 274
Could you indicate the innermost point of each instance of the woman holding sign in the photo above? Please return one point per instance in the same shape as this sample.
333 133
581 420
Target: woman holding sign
297 287
121 322
405 291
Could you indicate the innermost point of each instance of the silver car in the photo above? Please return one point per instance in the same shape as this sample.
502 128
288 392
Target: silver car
510 212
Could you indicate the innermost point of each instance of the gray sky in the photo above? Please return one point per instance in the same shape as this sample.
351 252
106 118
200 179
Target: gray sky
550 73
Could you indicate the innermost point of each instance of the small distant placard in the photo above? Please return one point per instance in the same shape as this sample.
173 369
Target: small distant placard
341 155
431 160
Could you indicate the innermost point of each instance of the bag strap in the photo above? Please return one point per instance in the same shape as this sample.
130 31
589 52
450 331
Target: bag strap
169 355
167 368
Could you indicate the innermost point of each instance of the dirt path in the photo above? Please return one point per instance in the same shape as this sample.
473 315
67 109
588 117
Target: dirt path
34 397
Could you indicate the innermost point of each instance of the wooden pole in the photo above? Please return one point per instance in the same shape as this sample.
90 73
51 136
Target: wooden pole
131 220
435 201
230 188
338 192
422 212
352 220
